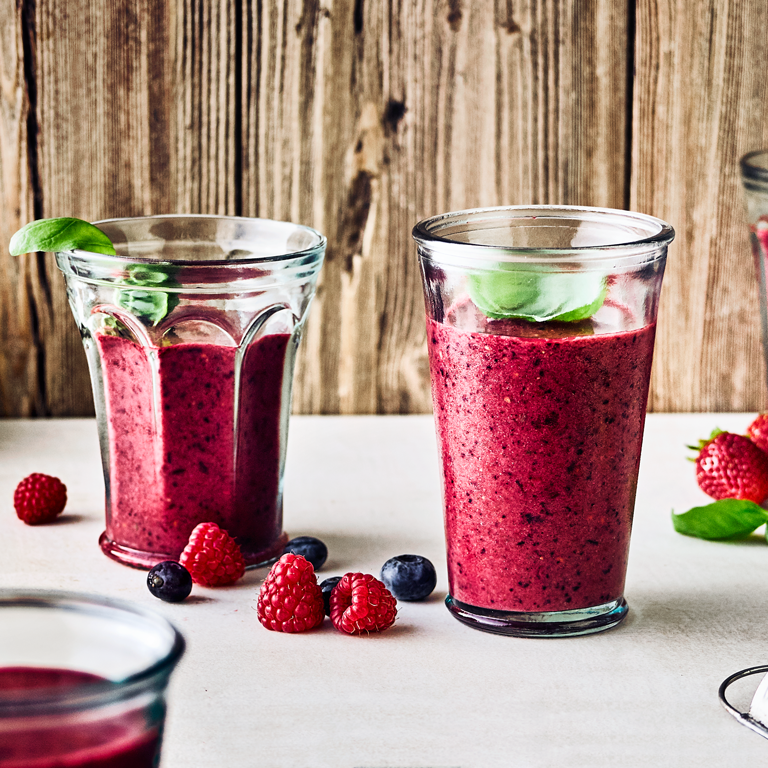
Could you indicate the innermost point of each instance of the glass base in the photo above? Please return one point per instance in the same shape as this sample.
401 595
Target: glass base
137 558
583 621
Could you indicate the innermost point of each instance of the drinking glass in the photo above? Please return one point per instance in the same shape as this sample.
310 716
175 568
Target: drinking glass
82 681
191 334
754 177
540 329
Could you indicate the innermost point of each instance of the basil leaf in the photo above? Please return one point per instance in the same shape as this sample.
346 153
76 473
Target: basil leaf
528 295
64 234
150 274
723 519
152 305
155 304
586 310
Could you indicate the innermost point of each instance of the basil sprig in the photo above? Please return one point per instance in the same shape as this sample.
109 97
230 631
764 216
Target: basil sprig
63 234
520 293
723 519
155 304
68 234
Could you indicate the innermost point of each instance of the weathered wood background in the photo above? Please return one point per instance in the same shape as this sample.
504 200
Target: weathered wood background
359 117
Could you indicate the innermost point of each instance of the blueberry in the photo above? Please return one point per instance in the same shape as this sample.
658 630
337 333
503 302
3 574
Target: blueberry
409 577
310 548
170 581
327 587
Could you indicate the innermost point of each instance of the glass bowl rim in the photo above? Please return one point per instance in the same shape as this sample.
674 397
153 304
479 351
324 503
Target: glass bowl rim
49 700
315 250
752 170
424 233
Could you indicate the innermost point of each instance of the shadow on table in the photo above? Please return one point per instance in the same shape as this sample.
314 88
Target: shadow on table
681 615
198 599
68 519
361 553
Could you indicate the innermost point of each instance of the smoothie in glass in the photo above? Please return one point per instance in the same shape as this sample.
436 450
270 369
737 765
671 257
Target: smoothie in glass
539 476
83 681
754 178
122 741
191 332
540 331
182 453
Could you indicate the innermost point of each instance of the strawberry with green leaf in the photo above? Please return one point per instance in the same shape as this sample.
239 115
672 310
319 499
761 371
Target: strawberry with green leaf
731 466
733 470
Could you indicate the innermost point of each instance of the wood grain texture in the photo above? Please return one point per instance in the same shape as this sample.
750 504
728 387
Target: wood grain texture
700 102
359 118
409 109
21 386
96 145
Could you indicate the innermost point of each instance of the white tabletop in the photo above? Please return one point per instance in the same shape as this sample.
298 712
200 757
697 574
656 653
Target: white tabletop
430 692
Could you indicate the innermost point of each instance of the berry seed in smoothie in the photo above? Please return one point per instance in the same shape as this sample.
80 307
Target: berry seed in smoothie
179 456
540 440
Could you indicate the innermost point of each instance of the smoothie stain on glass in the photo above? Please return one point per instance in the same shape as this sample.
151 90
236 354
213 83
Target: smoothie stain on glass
540 330
191 332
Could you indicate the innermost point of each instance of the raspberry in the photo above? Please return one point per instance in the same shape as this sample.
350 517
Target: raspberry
212 556
361 603
290 599
39 499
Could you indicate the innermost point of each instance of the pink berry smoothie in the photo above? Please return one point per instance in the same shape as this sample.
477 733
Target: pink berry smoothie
181 450
122 741
760 248
540 441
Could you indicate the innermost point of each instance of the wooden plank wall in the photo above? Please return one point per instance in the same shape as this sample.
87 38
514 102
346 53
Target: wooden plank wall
359 117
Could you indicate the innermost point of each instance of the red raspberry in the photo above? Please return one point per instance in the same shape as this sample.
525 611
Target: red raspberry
212 556
758 431
361 603
39 499
290 599
731 466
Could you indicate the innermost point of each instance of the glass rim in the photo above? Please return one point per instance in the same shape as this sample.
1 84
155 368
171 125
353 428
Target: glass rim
49 700
660 234
315 250
752 170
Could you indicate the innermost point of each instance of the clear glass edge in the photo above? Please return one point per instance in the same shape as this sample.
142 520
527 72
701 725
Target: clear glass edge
752 172
94 694
616 253
316 250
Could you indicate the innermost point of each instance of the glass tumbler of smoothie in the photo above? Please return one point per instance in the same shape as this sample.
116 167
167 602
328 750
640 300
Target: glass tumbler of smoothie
540 329
82 681
191 334
754 177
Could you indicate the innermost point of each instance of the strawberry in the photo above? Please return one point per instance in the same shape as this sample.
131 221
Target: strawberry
731 466
758 431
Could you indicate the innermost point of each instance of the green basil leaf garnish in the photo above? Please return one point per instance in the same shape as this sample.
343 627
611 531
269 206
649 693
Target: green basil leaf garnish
527 295
723 519
64 234
152 305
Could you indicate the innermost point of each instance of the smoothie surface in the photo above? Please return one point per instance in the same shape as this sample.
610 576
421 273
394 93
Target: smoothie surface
183 451
540 443
115 742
